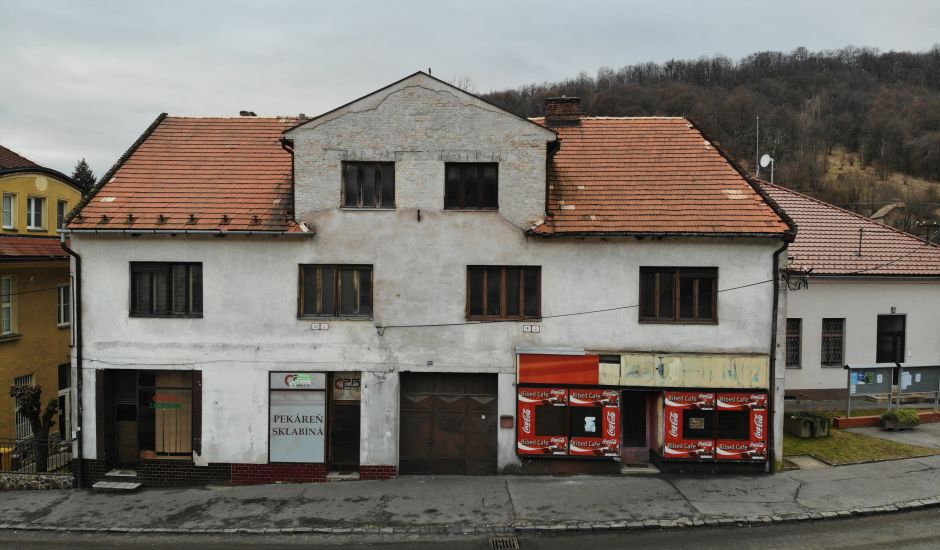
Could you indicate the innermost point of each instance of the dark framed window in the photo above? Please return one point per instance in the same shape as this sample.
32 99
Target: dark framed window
507 292
335 291
679 294
833 342
369 185
162 289
794 349
471 186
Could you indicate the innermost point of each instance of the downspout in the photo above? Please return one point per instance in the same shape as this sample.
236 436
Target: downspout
771 396
78 362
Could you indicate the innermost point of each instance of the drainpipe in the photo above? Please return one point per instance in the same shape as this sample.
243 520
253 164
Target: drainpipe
772 394
78 361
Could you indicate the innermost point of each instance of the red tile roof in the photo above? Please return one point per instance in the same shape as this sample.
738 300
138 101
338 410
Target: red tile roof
9 159
828 241
229 174
30 248
651 175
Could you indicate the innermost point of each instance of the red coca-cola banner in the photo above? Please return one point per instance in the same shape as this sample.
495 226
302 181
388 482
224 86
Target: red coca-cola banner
677 443
528 440
607 443
755 447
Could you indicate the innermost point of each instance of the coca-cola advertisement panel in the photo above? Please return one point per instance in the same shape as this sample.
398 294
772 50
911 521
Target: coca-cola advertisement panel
688 425
742 426
594 422
542 421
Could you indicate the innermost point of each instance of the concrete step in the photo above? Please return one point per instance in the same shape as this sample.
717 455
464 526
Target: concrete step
115 487
342 476
638 468
121 475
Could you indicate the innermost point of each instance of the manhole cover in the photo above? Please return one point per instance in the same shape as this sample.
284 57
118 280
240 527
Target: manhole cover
498 543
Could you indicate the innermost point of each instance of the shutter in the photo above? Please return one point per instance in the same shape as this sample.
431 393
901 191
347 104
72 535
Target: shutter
197 412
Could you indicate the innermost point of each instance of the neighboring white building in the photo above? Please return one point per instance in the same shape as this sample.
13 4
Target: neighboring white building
873 296
376 287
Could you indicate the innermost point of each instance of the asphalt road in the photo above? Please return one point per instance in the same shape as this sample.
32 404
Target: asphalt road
910 530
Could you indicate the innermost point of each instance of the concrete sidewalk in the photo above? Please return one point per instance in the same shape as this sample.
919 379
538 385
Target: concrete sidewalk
488 504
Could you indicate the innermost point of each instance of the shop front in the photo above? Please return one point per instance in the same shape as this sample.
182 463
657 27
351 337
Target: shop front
575 406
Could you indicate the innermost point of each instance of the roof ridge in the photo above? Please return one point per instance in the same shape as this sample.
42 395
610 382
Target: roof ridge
846 211
234 117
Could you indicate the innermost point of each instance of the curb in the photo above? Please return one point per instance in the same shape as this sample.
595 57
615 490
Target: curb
518 527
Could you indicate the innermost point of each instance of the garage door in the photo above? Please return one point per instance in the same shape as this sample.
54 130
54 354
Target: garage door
448 424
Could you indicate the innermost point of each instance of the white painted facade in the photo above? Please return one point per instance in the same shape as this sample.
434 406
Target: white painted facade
860 301
250 324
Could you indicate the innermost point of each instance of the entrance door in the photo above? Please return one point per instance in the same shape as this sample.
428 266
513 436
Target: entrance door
125 416
344 436
634 410
448 424
890 340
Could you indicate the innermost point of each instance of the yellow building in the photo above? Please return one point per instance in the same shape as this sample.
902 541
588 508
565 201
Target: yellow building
35 290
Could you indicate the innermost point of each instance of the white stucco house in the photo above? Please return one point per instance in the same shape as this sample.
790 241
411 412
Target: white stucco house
421 282
873 296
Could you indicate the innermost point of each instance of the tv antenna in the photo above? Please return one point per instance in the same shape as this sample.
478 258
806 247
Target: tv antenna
765 161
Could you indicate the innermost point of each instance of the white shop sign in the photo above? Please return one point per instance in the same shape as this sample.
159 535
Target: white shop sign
297 417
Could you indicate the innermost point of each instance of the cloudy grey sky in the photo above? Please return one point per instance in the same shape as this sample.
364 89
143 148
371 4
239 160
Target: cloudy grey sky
84 78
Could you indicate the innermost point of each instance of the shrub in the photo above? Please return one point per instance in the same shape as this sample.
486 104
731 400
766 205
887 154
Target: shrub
904 417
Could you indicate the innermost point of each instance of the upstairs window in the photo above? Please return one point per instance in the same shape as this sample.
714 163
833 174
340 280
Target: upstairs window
9 211
369 185
64 306
35 212
336 291
160 289
794 331
679 294
504 292
7 307
471 186
833 337
61 211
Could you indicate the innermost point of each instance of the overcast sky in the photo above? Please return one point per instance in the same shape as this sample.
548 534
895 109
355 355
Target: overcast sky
85 78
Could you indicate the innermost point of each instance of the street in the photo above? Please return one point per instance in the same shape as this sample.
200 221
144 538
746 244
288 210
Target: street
911 530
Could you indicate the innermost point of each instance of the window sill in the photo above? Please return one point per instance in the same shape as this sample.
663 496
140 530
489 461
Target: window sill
505 319
10 228
64 325
37 229
794 367
166 316
364 209
329 318
839 366
471 209
10 337
653 322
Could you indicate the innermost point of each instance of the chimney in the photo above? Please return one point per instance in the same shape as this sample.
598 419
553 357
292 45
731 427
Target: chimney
246 113
563 111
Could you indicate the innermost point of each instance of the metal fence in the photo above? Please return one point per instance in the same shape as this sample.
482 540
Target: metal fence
36 456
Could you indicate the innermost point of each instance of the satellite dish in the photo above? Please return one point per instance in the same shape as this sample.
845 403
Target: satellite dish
765 160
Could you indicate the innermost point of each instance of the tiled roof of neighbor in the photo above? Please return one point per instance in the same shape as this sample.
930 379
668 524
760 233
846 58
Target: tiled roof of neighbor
9 159
218 174
828 241
25 248
650 175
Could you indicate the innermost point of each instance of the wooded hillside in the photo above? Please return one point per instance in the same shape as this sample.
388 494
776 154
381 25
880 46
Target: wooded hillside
880 110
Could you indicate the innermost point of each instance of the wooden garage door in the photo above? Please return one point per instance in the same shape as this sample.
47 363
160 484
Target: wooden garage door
448 424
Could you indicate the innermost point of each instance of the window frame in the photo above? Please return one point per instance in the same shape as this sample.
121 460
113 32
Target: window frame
30 212
191 291
60 214
798 338
503 294
823 335
8 303
13 200
359 202
337 292
494 208
676 318
64 305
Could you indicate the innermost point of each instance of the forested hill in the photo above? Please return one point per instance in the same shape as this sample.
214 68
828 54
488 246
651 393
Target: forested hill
876 112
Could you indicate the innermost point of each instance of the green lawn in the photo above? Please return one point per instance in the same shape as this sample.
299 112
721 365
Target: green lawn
842 447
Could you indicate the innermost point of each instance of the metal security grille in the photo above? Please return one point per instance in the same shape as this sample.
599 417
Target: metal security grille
508 542
23 429
794 329
833 332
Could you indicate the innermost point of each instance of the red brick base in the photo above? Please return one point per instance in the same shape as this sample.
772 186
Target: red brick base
866 421
377 472
254 474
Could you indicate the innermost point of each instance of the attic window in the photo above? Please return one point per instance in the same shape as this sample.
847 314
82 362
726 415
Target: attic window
369 185
471 186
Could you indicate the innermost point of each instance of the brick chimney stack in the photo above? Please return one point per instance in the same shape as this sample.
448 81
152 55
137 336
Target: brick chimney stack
563 111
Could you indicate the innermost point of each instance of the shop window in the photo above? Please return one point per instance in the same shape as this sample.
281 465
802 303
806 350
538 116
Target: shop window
504 292
369 185
794 332
585 421
297 421
336 291
678 295
471 186
698 424
166 289
833 335
734 425
551 420
165 414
